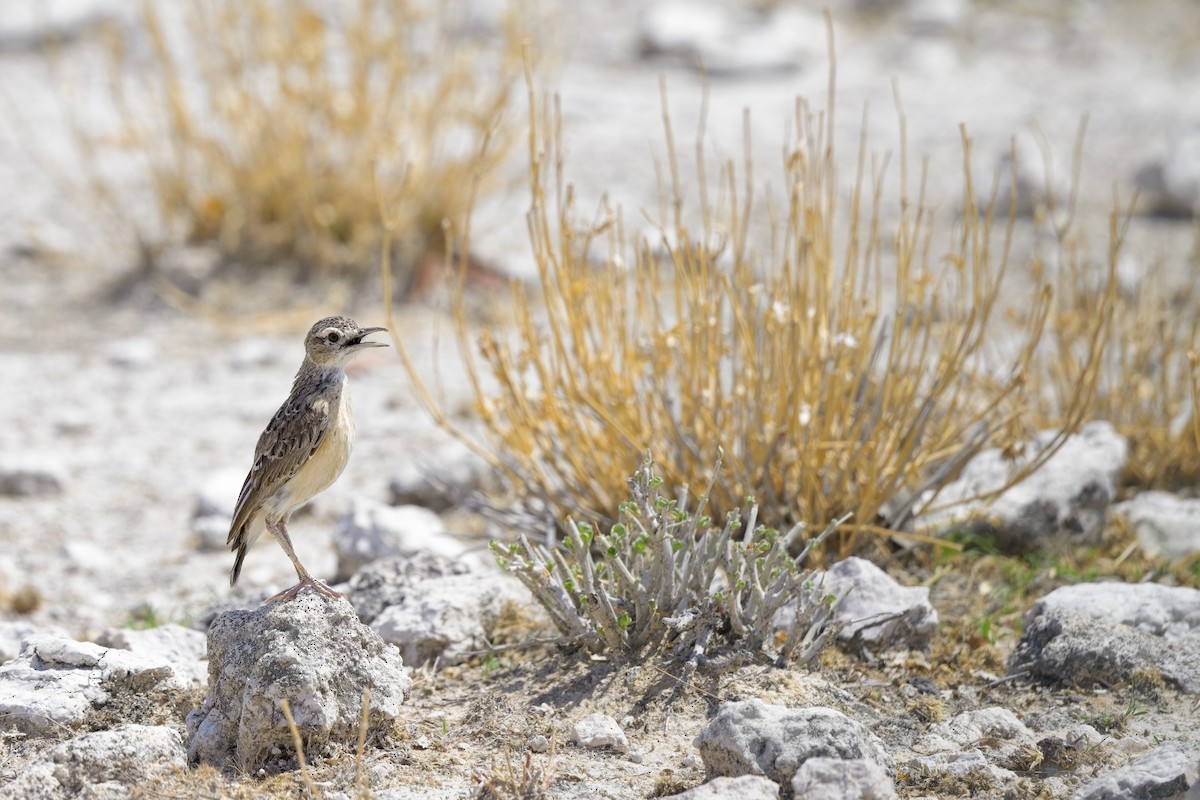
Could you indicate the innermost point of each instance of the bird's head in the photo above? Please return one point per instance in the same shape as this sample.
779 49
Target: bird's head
334 341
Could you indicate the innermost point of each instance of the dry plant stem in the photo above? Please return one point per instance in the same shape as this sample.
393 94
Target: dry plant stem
298 744
263 123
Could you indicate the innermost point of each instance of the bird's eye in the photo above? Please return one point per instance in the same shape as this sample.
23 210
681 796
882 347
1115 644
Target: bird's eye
334 337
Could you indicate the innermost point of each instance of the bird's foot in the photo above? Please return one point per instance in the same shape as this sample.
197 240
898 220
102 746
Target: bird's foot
320 587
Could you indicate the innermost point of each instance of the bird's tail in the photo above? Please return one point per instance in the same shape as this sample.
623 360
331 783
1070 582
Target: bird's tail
240 545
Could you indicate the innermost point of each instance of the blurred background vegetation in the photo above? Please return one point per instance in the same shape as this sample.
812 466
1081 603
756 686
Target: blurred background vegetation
843 345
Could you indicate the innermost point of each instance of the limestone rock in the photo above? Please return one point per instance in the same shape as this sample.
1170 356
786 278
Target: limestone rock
745 787
878 612
842 779
1062 645
58 682
312 652
185 649
1172 612
370 531
751 737
995 733
444 617
599 731
389 581
1064 500
14 632
1165 524
1163 772
31 475
215 502
100 764
441 481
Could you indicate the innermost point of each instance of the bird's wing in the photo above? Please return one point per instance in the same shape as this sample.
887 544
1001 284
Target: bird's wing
294 433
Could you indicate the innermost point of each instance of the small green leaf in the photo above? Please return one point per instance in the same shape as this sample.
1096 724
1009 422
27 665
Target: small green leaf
624 621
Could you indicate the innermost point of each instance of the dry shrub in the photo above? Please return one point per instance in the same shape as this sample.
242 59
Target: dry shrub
847 367
1149 376
263 126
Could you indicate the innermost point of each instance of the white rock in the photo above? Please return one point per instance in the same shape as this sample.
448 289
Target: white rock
842 779
57 681
751 737
1066 498
13 634
444 617
135 352
729 42
312 652
599 731
217 496
216 500
185 649
1171 182
935 17
1165 524
1172 612
744 787
1066 646
878 611
1163 772
101 764
996 732
439 481
370 531
31 475
942 766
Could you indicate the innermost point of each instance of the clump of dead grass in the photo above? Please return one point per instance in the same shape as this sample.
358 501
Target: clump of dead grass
262 126
848 365
1149 379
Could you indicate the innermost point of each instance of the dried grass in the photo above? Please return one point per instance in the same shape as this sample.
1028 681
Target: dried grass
845 367
262 126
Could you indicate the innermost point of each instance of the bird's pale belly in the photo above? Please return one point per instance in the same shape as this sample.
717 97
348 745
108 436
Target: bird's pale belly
321 469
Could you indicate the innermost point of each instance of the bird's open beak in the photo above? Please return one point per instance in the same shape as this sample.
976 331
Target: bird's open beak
357 341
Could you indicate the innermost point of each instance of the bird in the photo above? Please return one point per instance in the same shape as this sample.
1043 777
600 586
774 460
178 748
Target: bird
304 448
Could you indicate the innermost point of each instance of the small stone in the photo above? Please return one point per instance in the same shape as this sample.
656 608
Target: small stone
1064 501
1172 612
439 481
743 787
13 634
101 764
600 730
185 649
31 475
1063 645
842 779
751 737
636 758
446 617
218 494
370 531
134 353
877 612
691 761
422 743
538 743
1166 525
1163 772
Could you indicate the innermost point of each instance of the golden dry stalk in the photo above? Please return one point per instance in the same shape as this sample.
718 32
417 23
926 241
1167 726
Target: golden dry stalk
265 126
838 370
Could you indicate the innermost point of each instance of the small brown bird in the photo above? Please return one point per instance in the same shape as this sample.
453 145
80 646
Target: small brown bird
304 449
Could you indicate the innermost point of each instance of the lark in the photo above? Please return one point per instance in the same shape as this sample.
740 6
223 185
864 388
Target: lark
304 449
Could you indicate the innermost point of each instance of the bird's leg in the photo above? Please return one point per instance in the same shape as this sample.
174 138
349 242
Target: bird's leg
279 531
